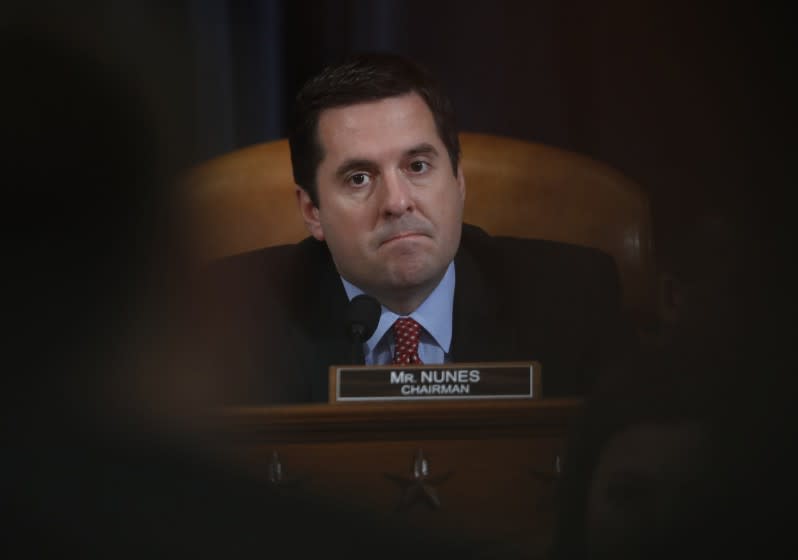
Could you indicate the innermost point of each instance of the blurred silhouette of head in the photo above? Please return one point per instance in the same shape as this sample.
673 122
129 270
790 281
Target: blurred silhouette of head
658 465
87 213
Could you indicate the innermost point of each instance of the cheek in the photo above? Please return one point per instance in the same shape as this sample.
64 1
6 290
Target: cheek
446 198
342 228
447 210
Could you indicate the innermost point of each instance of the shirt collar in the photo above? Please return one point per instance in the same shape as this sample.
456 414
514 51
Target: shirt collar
434 313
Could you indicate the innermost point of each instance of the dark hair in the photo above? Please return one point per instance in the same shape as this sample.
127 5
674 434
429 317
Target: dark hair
359 79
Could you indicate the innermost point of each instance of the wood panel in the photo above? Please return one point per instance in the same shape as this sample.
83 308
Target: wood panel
492 465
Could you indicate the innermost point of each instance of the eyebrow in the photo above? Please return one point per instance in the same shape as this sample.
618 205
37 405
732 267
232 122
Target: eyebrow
366 164
352 165
422 149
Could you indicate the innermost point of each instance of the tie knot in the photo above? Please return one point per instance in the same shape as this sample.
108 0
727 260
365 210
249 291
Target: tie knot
408 325
406 332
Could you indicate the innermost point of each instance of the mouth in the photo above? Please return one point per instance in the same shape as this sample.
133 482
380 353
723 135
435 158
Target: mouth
402 236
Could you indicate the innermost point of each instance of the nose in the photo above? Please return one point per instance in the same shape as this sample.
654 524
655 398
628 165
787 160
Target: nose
397 196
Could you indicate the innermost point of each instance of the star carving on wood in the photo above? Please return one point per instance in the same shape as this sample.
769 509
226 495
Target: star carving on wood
420 485
550 478
552 475
277 474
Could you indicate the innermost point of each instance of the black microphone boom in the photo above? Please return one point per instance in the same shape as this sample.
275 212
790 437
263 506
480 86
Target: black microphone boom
362 317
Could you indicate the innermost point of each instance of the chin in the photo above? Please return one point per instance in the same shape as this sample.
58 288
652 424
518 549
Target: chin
415 272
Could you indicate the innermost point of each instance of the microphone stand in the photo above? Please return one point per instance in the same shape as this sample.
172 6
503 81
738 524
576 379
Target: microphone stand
357 331
362 318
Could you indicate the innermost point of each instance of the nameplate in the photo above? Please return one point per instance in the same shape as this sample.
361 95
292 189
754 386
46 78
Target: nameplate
490 380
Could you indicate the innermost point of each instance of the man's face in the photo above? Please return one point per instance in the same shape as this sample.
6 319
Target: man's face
390 207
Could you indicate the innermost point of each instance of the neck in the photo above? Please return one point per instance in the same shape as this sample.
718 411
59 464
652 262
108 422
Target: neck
404 301
403 305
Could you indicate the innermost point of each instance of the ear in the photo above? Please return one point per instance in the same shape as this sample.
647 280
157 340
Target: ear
461 184
310 213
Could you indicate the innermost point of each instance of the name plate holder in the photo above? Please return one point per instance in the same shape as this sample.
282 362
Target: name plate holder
427 382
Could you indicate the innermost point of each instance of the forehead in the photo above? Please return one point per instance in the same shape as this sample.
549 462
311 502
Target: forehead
376 129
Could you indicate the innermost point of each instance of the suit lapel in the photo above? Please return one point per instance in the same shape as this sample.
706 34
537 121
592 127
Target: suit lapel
478 331
322 309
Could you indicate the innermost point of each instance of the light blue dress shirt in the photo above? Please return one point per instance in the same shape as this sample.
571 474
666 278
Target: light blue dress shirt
434 315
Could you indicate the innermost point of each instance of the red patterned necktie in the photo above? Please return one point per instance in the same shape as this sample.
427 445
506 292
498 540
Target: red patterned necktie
406 334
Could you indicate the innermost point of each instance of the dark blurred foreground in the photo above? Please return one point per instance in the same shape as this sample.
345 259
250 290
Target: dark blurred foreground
105 386
104 377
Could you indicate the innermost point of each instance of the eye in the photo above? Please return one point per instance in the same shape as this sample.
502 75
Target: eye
419 166
359 179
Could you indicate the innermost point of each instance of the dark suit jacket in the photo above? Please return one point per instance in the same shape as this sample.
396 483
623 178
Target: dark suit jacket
515 299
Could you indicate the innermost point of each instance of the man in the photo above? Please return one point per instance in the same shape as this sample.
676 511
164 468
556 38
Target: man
376 160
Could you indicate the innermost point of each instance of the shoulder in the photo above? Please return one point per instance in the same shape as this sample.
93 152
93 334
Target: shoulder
539 274
272 272
539 255
273 262
306 248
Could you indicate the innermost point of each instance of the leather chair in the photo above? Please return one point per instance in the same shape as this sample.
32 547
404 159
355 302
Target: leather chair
244 200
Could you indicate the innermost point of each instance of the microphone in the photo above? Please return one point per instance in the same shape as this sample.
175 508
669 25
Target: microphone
362 317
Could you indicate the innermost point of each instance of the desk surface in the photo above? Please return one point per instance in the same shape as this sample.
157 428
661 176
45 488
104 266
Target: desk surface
416 417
